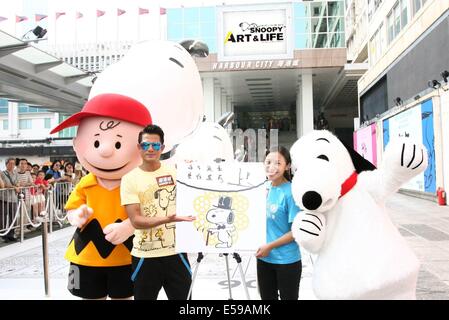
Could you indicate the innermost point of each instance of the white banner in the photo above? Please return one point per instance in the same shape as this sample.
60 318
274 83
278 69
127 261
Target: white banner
228 200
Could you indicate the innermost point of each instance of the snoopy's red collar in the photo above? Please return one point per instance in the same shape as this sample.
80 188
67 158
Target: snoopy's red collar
348 184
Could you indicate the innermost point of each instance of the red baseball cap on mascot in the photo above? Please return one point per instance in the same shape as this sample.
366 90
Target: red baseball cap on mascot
113 106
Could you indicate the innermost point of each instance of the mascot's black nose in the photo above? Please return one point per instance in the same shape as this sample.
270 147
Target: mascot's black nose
311 200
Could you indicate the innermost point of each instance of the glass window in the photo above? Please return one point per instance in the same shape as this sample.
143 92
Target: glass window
68 132
404 13
390 27
300 10
174 31
337 40
378 45
319 40
174 15
336 24
47 123
416 6
191 30
335 8
397 20
319 24
372 50
207 14
5 124
191 15
208 30
3 106
23 108
318 9
382 40
24 124
302 40
302 25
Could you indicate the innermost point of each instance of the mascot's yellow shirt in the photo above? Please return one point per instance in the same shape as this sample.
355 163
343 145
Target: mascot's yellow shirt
89 246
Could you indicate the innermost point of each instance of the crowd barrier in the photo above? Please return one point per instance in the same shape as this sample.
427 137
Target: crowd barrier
21 207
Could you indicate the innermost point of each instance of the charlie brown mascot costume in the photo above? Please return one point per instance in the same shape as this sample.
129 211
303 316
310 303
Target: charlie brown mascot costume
106 145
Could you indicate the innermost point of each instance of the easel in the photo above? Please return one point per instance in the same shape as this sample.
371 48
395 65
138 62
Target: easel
237 258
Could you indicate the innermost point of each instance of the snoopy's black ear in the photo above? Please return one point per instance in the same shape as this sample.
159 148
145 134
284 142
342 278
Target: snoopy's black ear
360 163
195 48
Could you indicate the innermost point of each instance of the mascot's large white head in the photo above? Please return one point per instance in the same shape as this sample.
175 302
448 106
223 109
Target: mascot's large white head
164 77
322 171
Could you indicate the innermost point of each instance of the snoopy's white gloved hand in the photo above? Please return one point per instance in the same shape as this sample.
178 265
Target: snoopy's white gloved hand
78 217
309 230
405 158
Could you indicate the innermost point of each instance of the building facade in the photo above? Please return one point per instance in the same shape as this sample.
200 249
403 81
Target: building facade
404 91
273 65
276 65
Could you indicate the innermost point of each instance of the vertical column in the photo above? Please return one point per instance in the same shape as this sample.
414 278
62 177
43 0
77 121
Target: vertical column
298 113
54 122
229 104
232 110
224 101
13 118
209 98
217 104
304 106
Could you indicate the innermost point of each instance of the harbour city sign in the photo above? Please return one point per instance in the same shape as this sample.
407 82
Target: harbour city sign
255 65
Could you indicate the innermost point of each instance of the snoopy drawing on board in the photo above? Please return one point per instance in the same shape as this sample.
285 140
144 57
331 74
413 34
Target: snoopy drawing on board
222 217
360 254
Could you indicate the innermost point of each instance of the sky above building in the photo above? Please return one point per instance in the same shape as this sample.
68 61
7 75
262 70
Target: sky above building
68 29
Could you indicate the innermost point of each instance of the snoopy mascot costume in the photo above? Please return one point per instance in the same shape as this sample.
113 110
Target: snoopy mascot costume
163 76
360 254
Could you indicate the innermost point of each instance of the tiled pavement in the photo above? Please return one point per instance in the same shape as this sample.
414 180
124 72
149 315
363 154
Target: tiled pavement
424 224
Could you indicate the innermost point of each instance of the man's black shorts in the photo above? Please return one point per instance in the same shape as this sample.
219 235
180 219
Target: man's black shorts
99 282
172 273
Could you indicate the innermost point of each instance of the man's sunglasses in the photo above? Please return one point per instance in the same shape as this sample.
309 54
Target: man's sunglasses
146 145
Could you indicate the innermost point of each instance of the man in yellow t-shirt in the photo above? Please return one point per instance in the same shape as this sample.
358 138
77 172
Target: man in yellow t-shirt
149 195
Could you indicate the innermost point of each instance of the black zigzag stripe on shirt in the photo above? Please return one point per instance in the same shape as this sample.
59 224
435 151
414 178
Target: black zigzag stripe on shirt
93 232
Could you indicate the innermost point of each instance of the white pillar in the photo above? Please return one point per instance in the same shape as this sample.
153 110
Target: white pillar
209 97
54 122
217 103
228 104
304 106
13 118
224 101
232 110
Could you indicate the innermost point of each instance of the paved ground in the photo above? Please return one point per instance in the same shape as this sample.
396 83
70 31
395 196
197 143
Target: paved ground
424 225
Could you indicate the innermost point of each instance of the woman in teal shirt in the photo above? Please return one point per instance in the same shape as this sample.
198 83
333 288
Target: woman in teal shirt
279 261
